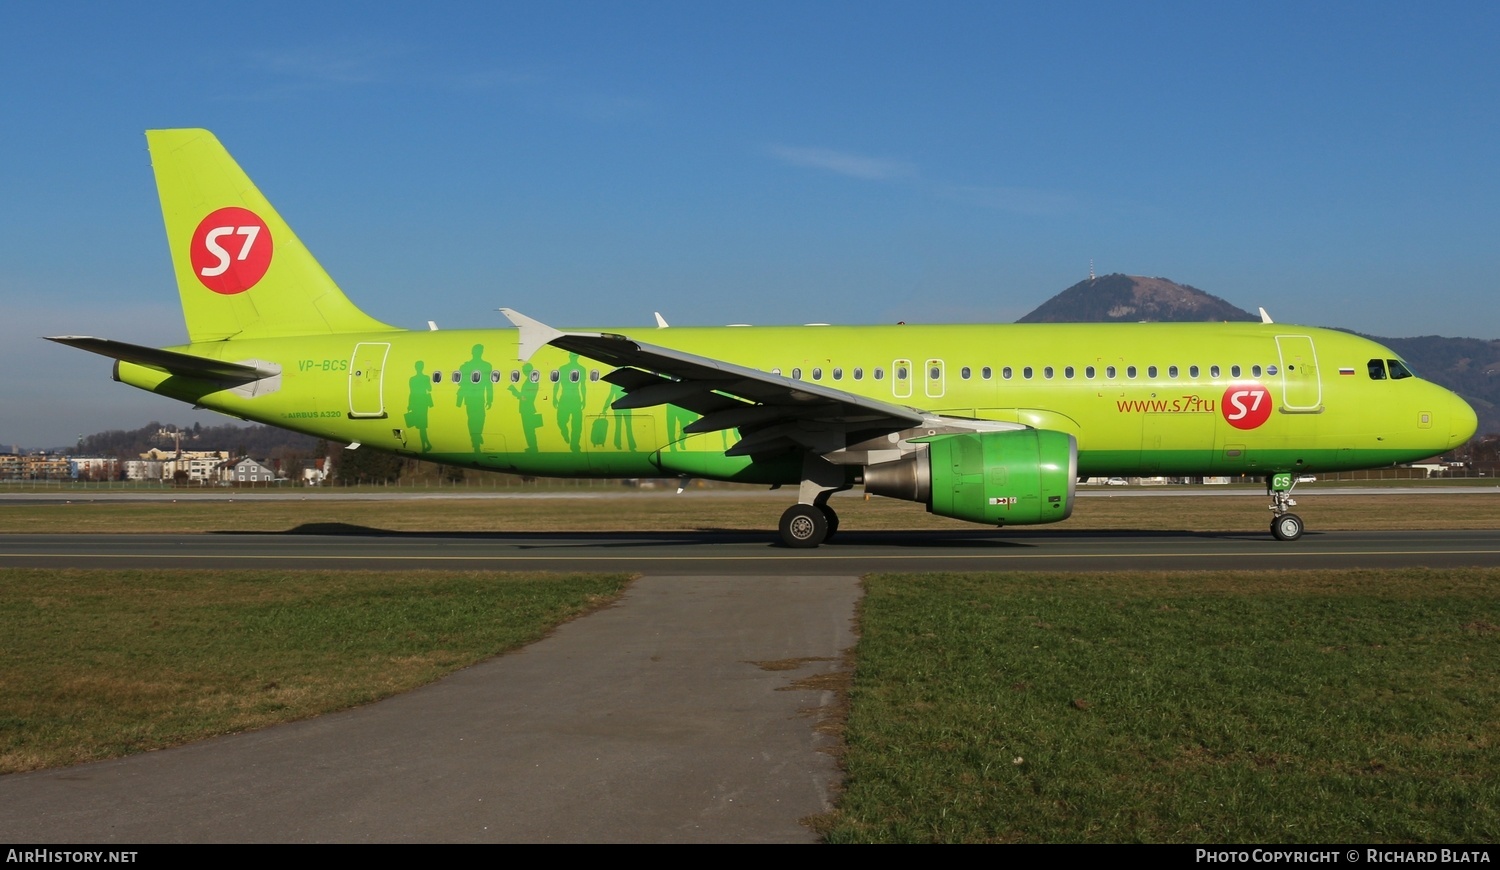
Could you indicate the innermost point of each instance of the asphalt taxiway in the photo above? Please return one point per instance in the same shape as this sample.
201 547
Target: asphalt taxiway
756 553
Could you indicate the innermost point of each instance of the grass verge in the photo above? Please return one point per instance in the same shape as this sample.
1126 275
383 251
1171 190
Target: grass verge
1330 706
98 664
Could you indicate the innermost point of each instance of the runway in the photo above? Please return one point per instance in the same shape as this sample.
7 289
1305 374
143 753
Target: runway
755 553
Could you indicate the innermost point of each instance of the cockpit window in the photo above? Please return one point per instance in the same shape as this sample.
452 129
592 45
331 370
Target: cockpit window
1377 369
1399 370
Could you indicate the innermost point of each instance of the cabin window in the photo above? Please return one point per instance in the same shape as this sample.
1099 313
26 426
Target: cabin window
1213 371
1130 372
1270 370
879 373
1399 370
1047 372
555 376
1006 373
575 376
1089 372
495 376
515 376
901 373
473 377
1151 372
458 377
1172 372
797 374
1255 371
817 373
593 375
838 374
776 371
437 377
1234 371
1193 372
986 373
1109 373
859 373
1068 372
964 372
536 376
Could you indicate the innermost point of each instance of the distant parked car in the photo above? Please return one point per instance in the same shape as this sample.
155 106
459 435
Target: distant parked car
1117 481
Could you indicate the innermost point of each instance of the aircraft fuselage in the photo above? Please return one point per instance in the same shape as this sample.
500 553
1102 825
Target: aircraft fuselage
1141 399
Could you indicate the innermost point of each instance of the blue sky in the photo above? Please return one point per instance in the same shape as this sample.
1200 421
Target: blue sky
589 163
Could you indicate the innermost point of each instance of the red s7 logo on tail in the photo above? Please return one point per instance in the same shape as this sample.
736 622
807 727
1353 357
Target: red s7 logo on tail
231 250
1246 406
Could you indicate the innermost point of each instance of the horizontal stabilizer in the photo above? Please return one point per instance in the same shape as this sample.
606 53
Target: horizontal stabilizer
181 364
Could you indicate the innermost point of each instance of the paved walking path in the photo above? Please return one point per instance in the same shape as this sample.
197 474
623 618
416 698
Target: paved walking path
688 712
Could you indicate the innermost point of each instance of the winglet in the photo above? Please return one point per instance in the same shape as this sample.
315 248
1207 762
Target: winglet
1264 317
534 334
661 322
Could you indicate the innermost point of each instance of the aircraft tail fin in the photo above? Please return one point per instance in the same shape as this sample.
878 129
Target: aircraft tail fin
241 271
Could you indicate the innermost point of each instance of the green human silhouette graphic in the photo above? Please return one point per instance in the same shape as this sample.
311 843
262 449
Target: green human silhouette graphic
568 393
677 418
531 419
418 401
622 417
476 392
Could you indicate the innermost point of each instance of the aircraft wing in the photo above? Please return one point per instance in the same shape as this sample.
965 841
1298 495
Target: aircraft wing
772 413
181 364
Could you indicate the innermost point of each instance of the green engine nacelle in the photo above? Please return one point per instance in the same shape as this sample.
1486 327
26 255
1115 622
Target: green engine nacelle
1013 477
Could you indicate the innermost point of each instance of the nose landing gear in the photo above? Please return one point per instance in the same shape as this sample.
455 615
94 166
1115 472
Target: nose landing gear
1285 525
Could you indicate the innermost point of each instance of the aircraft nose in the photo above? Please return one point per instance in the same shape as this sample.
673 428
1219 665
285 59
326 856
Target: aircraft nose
1463 422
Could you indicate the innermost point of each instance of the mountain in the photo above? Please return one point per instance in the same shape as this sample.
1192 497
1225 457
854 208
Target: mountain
1133 299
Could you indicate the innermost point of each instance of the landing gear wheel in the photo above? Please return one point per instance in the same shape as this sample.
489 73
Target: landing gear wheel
833 523
803 526
1287 527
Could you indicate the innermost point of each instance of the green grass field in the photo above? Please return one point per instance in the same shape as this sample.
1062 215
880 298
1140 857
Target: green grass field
97 664
1309 707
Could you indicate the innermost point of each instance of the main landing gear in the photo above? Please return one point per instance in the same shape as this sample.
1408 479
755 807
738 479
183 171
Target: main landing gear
811 522
808 525
1285 525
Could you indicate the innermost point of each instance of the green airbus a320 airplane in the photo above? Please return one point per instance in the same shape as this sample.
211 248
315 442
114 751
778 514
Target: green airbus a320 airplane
990 424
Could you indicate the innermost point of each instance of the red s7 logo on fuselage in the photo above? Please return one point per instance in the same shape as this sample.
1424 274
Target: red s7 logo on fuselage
1246 406
231 250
